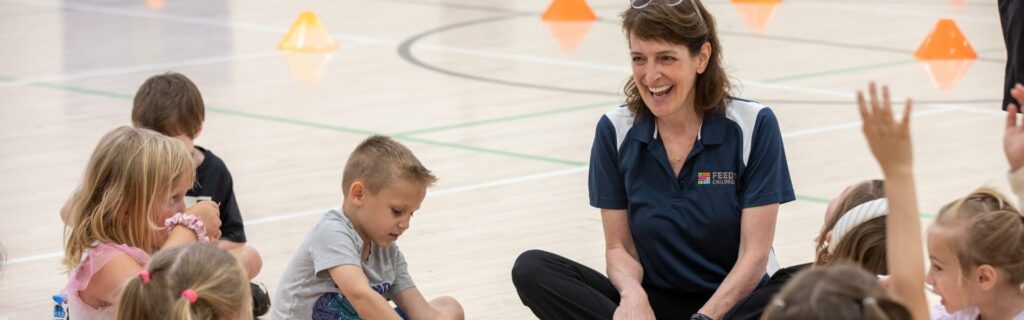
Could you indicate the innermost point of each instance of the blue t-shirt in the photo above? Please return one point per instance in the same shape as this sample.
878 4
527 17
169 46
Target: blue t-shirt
687 227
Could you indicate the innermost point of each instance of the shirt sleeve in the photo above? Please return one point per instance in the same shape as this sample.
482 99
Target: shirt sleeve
332 245
607 190
403 280
232 228
766 177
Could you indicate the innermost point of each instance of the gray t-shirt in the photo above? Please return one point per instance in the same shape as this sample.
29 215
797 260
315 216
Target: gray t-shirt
306 290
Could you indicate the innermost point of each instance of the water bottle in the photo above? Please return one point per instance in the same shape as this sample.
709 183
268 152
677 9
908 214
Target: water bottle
60 307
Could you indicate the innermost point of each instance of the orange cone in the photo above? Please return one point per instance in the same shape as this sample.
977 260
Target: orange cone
569 34
945 74
307 34
756 13
945 42
569 10
155 4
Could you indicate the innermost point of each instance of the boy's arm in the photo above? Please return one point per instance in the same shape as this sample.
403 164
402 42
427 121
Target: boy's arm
356 287
412 302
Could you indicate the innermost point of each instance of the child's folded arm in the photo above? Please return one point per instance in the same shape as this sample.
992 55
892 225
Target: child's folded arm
354 285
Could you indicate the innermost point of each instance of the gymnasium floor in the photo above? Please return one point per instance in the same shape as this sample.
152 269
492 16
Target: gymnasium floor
482 91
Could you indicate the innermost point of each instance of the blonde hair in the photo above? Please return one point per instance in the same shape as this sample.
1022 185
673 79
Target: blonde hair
840 292
864 244
984 229
379 160
128 170
220 285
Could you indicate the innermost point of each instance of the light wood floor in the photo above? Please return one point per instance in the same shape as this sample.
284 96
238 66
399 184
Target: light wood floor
481 91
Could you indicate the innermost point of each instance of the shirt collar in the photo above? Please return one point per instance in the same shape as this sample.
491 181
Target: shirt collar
711 132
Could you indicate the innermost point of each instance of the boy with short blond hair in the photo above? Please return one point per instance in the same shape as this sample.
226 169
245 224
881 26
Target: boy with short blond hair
348 266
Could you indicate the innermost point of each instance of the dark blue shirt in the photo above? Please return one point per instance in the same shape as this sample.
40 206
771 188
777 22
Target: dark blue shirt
687 227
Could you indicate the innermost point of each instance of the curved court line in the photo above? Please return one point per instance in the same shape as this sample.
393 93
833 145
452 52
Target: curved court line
405 51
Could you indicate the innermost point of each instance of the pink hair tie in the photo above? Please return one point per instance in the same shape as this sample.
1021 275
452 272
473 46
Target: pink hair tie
190 295
144 275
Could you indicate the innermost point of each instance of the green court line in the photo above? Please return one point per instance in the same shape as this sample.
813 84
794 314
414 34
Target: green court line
507 118
493 151
317 125
858 68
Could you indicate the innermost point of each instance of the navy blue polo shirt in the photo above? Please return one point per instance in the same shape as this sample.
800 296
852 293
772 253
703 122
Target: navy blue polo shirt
687 227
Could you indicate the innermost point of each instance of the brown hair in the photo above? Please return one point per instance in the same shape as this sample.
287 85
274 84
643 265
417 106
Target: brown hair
985 230
681 25
378 160
170 104
220 285
841 292
128 170
864 244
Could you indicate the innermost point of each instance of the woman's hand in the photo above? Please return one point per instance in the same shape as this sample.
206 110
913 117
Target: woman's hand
634 306
889 140
1013 138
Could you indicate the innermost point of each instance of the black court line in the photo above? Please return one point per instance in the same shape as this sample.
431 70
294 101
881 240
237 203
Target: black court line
405 51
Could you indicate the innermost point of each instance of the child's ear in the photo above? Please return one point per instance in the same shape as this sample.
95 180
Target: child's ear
198 131
828 237
356 192
987 277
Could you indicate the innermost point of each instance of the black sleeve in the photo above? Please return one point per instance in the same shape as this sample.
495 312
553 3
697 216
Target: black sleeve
231 227
1011 16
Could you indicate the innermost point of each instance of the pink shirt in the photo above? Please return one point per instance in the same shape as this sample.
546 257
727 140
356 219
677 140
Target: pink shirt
94 259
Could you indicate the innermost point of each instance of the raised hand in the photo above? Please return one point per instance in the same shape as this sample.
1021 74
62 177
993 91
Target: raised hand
889 139
1013 137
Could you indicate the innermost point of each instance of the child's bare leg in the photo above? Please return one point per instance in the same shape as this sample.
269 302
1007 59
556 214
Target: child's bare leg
248 257
448 308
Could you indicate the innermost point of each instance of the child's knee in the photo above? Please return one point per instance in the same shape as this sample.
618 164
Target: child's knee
448 307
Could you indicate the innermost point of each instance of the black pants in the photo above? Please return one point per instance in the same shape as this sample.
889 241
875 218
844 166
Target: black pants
1011 15
555 287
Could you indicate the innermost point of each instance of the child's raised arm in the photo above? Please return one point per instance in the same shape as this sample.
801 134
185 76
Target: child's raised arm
890 143
354 285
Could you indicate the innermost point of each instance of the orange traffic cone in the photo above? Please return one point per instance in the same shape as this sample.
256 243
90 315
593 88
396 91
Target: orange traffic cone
569 34
307 34
945 42
946 55
756 13
569 10
155 4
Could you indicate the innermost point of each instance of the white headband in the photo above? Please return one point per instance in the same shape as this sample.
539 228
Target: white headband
855 217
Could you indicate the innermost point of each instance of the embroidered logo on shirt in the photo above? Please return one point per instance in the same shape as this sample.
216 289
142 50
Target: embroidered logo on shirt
703 177
714 177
